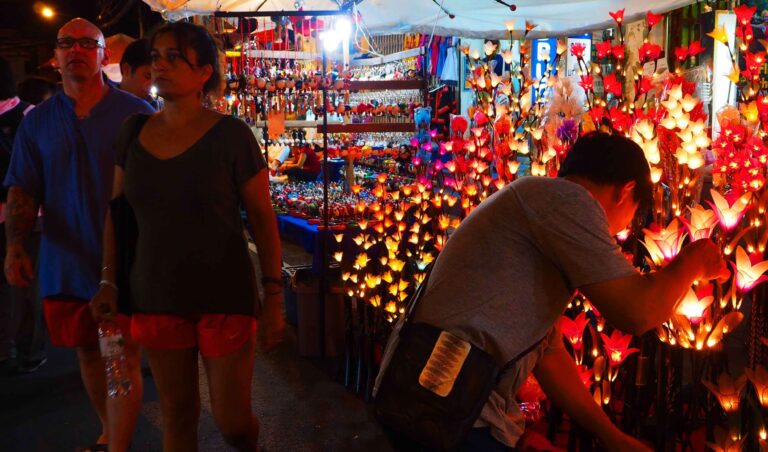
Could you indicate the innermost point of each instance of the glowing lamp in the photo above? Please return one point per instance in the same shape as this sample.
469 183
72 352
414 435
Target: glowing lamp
689 103
676 92
748 271
669 123
664 244
701 224
695 161
692 306
617 347
728 391
759 379
729 214
656 174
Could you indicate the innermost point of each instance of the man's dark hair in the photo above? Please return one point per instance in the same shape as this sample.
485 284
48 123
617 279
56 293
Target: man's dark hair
610 160
136 55
7 81
189 35
36 89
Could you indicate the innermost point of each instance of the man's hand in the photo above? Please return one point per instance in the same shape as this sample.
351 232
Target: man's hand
18 266
705 256
271 322
558 377
103 305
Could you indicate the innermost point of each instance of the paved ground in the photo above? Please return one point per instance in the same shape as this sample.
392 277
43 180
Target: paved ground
300 402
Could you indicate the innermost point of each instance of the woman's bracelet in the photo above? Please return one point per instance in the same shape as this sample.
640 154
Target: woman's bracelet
105 282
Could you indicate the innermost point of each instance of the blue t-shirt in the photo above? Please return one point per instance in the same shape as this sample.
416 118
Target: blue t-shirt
68 165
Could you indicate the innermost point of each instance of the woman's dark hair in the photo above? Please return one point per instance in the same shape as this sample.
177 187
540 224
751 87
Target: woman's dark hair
36 89
610 160
7 82
189 35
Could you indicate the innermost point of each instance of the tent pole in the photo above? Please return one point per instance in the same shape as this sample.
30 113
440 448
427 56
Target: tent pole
325 232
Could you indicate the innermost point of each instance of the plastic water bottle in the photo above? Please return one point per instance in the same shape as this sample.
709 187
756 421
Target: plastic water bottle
112 348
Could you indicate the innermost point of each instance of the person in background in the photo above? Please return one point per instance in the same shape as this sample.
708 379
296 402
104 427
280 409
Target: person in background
36 90
305 165
134 68
186 171
507 273
62 161
22 336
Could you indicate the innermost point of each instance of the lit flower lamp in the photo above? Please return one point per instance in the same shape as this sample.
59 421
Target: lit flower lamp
759 379
507 56
729 213
617 347
693 305
748 270
656 174
573 329
728 391
702 222
725 442
728 323
664 244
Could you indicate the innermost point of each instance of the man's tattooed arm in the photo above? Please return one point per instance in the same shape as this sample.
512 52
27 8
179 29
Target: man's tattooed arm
20 213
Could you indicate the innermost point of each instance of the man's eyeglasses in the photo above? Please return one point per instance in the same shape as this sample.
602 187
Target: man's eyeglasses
84 43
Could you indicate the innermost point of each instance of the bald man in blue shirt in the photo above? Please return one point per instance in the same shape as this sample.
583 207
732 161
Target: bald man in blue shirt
62 161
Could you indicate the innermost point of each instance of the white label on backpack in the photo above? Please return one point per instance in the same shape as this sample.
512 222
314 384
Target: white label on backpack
111 346
444 364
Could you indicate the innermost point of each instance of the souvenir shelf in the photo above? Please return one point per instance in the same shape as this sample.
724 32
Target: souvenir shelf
368 127
290 124
363 85
379 85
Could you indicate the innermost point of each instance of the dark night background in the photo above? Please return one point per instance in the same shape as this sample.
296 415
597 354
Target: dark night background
26 39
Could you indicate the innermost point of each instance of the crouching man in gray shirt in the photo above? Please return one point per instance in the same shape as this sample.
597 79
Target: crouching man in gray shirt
508 272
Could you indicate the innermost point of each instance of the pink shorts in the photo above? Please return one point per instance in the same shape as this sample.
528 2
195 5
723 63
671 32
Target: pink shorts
215 334
70 323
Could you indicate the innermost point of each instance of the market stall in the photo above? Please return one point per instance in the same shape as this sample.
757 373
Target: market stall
685 81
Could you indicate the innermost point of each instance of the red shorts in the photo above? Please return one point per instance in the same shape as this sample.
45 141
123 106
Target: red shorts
70 323
215 334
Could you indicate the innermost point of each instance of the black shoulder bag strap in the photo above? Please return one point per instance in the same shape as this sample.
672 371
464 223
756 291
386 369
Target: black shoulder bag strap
417 295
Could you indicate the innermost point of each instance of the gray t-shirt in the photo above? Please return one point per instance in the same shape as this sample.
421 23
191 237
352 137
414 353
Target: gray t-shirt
507 273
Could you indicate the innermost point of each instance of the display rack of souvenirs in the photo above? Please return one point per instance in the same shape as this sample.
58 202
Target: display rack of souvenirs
305 200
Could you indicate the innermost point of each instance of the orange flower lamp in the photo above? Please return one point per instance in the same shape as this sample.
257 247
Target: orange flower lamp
702 222
729 214
728 391
664 244
748 271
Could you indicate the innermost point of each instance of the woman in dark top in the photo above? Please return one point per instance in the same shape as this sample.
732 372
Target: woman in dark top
186 171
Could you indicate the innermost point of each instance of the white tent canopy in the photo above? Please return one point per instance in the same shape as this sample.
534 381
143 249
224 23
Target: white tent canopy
473 18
